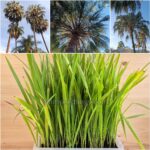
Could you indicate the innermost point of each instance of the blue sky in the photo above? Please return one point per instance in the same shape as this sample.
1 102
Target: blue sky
145 10
27 30
106 11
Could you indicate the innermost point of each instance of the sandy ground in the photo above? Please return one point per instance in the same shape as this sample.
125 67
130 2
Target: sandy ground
15 135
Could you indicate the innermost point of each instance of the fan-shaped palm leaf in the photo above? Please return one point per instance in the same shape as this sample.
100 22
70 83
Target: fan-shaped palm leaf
14 11
79 26
125 5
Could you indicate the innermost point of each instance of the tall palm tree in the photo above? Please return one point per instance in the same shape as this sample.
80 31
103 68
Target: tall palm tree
125 5
34 15
14 12
142 37
15 32
129 24
41 27
79 26
26 45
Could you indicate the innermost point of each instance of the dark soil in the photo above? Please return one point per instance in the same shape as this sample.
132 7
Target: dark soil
106 145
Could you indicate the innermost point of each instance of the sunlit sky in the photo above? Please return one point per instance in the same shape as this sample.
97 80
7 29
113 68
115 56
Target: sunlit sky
27 30
145 10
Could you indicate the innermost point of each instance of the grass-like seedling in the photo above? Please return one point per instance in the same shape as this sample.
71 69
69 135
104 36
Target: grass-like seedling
76 100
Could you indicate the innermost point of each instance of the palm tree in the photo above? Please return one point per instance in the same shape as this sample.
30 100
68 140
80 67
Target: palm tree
14 32
34 15
14 12
121 45
138 44
79 26
129 24
125 5
41 27
142 37
26 45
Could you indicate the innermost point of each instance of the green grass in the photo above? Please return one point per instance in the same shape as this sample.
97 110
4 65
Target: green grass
76 100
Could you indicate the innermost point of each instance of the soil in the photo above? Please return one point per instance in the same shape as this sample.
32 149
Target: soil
106 145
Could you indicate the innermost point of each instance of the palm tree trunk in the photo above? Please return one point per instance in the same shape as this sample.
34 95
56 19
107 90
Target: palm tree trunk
15 45
35 42
8 44
44 42
145 48
72 44
133 45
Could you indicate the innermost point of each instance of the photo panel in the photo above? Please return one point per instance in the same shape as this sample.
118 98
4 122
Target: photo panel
80 26
71 95
130 26
25 26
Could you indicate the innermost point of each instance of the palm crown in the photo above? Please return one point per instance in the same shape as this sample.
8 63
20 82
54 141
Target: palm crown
125 5
79 26
14 11
42 26
34 14
15 31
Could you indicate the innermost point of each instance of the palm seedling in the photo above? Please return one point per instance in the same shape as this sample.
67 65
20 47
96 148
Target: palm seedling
14 12
76 100
34 15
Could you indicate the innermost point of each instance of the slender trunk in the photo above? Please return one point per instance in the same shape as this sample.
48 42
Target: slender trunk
72 44
8 44
145 48
35 42
133 45
16 50
44 42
